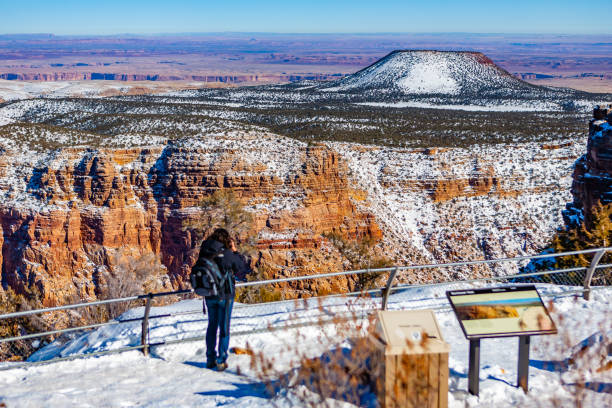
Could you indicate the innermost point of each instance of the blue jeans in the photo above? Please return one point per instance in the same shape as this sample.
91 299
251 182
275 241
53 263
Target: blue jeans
219 314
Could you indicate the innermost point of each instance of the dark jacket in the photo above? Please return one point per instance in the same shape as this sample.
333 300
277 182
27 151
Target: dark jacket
228 261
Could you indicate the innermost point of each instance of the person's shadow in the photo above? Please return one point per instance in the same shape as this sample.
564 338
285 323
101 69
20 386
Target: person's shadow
241 390
196 364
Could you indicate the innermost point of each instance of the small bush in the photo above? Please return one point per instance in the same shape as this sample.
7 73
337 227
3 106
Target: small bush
11 302
259 294
222 209
131 276
347 371
361 254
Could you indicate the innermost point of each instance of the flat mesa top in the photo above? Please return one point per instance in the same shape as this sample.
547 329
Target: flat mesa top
501 312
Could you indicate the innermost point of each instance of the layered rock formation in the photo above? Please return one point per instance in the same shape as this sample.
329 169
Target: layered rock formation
592 177
64 220
452 204
67 214
114 76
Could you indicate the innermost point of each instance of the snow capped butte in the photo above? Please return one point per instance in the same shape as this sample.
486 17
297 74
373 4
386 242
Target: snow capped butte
433 73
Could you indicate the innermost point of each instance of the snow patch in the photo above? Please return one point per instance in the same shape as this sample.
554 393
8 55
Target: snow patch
425 78
536 106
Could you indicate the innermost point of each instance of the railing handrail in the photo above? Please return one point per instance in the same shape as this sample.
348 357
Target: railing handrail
95 303
325 275
371 291
424 266
385 291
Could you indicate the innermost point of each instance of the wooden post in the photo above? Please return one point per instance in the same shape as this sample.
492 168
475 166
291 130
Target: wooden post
443 382
415 374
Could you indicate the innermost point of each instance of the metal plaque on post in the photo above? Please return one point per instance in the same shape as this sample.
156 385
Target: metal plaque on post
500 312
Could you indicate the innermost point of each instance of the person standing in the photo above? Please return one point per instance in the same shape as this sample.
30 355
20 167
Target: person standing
232 265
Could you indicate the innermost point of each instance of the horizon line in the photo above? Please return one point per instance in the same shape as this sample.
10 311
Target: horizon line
196 33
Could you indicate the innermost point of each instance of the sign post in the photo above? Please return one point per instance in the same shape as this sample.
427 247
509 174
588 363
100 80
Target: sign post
500 312
474 367
523 362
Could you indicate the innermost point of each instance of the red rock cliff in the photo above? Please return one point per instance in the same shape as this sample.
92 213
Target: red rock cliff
81 206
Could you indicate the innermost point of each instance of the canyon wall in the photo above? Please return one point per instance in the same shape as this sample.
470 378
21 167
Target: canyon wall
592 177
66 215
65 219
443 205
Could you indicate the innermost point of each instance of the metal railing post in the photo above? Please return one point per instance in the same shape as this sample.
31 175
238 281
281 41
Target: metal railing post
145 326
387 289
589 274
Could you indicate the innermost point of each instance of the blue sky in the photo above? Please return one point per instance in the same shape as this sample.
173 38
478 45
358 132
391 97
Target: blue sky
312 16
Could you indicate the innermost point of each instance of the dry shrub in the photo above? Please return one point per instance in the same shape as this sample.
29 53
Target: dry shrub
582 362
352 369
223 209
129 276
39 323
347 371
360 254
132 276
259 294
83 316
11 302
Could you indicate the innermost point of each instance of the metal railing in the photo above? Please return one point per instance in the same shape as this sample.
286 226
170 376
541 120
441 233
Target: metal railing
579 280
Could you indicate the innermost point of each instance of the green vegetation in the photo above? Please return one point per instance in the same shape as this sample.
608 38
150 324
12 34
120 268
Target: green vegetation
412 127
361 254
222 209
91 122
594 232
44 137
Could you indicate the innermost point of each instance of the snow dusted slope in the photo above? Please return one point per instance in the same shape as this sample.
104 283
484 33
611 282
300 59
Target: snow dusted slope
446 73
17 90
451 204
175 375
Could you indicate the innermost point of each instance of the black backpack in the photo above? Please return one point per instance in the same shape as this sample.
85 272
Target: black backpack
207 279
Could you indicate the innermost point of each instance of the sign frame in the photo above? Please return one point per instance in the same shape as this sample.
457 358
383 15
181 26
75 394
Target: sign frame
500 289
524 336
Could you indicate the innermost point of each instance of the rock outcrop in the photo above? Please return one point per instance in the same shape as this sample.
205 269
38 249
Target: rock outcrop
78 208
592 177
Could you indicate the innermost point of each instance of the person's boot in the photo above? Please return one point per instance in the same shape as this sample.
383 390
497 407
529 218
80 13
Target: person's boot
211 364
221 366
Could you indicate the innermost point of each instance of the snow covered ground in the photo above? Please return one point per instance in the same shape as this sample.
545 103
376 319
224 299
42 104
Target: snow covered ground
174 376
14 90
17 90
500 107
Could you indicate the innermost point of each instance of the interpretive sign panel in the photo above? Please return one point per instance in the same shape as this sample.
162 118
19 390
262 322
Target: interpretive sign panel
501 312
